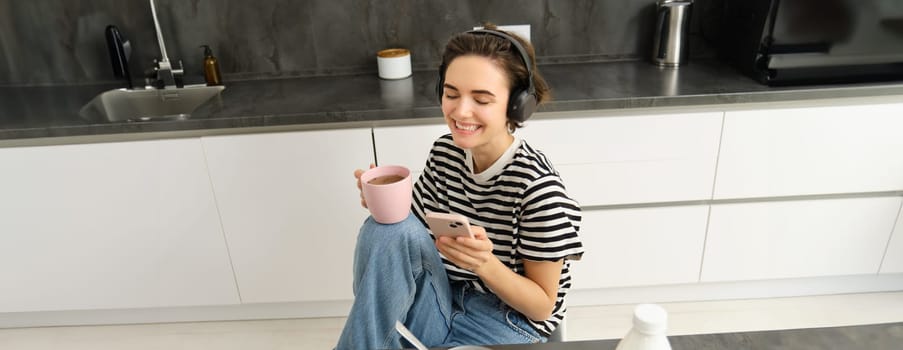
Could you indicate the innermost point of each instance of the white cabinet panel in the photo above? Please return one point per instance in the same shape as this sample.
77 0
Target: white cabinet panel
791 239
893 259
112 225
407 145
635 247
290 210
810 151
632 159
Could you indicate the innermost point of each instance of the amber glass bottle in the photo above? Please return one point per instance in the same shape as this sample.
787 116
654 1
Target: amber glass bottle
211 68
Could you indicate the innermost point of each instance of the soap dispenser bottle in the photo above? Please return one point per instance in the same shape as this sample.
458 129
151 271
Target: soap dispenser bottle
211 68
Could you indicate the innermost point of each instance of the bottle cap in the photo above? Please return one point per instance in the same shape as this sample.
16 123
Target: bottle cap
650 319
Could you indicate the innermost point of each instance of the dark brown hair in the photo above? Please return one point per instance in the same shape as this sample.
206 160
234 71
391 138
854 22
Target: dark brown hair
505 55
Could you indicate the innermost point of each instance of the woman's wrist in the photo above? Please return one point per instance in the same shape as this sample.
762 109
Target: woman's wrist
490 268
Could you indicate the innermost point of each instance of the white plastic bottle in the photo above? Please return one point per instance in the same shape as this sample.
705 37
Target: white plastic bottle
648 332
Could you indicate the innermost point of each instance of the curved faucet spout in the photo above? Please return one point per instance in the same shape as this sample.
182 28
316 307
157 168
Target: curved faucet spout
163 56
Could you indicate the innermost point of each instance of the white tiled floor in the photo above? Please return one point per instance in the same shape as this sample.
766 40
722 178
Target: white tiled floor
598 322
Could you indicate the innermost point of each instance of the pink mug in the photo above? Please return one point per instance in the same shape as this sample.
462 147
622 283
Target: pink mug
387 190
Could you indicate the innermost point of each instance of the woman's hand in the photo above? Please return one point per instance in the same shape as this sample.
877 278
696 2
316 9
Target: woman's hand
472 254
357 175
533 294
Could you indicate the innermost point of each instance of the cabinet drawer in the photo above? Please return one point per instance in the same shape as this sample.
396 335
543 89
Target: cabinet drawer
811 151
636 247
773 240
110 225
632 159
290 210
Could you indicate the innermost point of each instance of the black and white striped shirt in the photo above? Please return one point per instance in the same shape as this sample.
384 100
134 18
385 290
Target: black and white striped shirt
520 201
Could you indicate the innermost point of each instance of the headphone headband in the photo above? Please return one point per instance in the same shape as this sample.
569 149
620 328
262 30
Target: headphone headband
520 49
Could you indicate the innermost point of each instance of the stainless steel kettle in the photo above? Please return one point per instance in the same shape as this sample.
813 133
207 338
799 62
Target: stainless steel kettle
672 21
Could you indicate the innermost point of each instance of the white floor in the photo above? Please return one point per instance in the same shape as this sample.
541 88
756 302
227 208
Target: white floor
599 322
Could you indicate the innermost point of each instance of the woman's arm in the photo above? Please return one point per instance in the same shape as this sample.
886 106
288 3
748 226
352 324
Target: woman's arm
533 295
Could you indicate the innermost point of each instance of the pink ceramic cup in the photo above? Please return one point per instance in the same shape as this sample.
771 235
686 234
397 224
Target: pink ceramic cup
387 190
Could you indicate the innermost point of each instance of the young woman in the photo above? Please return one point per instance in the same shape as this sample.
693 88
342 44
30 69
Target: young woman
508 283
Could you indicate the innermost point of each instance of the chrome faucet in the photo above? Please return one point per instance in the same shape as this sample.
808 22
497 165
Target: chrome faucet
163 74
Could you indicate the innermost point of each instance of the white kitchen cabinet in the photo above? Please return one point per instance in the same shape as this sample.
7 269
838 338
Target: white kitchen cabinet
110 225
773 240
640 247
632 159
814 150
407 145
893 258
605 160
290 210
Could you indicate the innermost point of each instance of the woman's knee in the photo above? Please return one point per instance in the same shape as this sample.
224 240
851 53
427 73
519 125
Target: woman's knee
409 229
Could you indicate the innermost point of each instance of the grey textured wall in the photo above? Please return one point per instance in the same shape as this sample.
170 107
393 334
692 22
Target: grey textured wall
48 42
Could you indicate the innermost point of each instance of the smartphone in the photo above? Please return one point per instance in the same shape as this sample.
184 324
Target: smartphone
446 224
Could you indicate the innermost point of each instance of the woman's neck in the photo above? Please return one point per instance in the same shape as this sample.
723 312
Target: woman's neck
485 156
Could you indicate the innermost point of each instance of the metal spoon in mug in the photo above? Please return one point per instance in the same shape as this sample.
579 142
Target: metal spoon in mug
409 336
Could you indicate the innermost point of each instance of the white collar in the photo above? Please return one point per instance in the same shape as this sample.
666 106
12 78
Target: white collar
497 166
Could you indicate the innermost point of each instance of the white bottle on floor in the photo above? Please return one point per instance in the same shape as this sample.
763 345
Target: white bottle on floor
648 332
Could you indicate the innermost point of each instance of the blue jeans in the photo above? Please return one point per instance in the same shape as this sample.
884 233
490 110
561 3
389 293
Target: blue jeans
398 275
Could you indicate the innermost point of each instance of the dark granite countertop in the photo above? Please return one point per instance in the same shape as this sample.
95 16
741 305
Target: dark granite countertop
873 337
364 100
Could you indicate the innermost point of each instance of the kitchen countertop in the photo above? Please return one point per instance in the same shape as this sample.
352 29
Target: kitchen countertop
872 337
364 100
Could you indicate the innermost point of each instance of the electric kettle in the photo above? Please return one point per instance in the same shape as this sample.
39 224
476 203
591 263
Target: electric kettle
670 44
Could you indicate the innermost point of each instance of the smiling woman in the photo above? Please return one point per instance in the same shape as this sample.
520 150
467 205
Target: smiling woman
514 57
507 282
474 103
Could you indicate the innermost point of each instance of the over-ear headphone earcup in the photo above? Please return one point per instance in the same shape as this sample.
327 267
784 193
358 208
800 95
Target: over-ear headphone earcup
521 105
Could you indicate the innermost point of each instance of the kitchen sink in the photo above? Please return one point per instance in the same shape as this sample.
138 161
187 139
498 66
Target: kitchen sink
121 105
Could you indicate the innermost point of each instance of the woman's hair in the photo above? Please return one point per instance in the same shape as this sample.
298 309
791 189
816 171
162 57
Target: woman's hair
505 55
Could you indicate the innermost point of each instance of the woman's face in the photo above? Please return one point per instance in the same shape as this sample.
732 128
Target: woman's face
475 104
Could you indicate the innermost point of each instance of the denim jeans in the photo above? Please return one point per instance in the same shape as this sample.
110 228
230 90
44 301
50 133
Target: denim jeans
398 275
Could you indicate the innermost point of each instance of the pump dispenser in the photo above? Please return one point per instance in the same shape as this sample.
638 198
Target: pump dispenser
211 68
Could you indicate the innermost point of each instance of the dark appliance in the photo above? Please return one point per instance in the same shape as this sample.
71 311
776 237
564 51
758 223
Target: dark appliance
791 42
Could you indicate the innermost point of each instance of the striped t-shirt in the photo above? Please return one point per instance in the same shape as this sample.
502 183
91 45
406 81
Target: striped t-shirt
520 201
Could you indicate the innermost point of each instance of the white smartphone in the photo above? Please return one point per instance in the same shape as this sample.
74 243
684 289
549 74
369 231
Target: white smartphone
446 224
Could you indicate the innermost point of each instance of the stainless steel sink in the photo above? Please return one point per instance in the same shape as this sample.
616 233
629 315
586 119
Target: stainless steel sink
148 104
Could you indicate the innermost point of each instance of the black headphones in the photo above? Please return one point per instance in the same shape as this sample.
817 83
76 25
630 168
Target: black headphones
521 102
